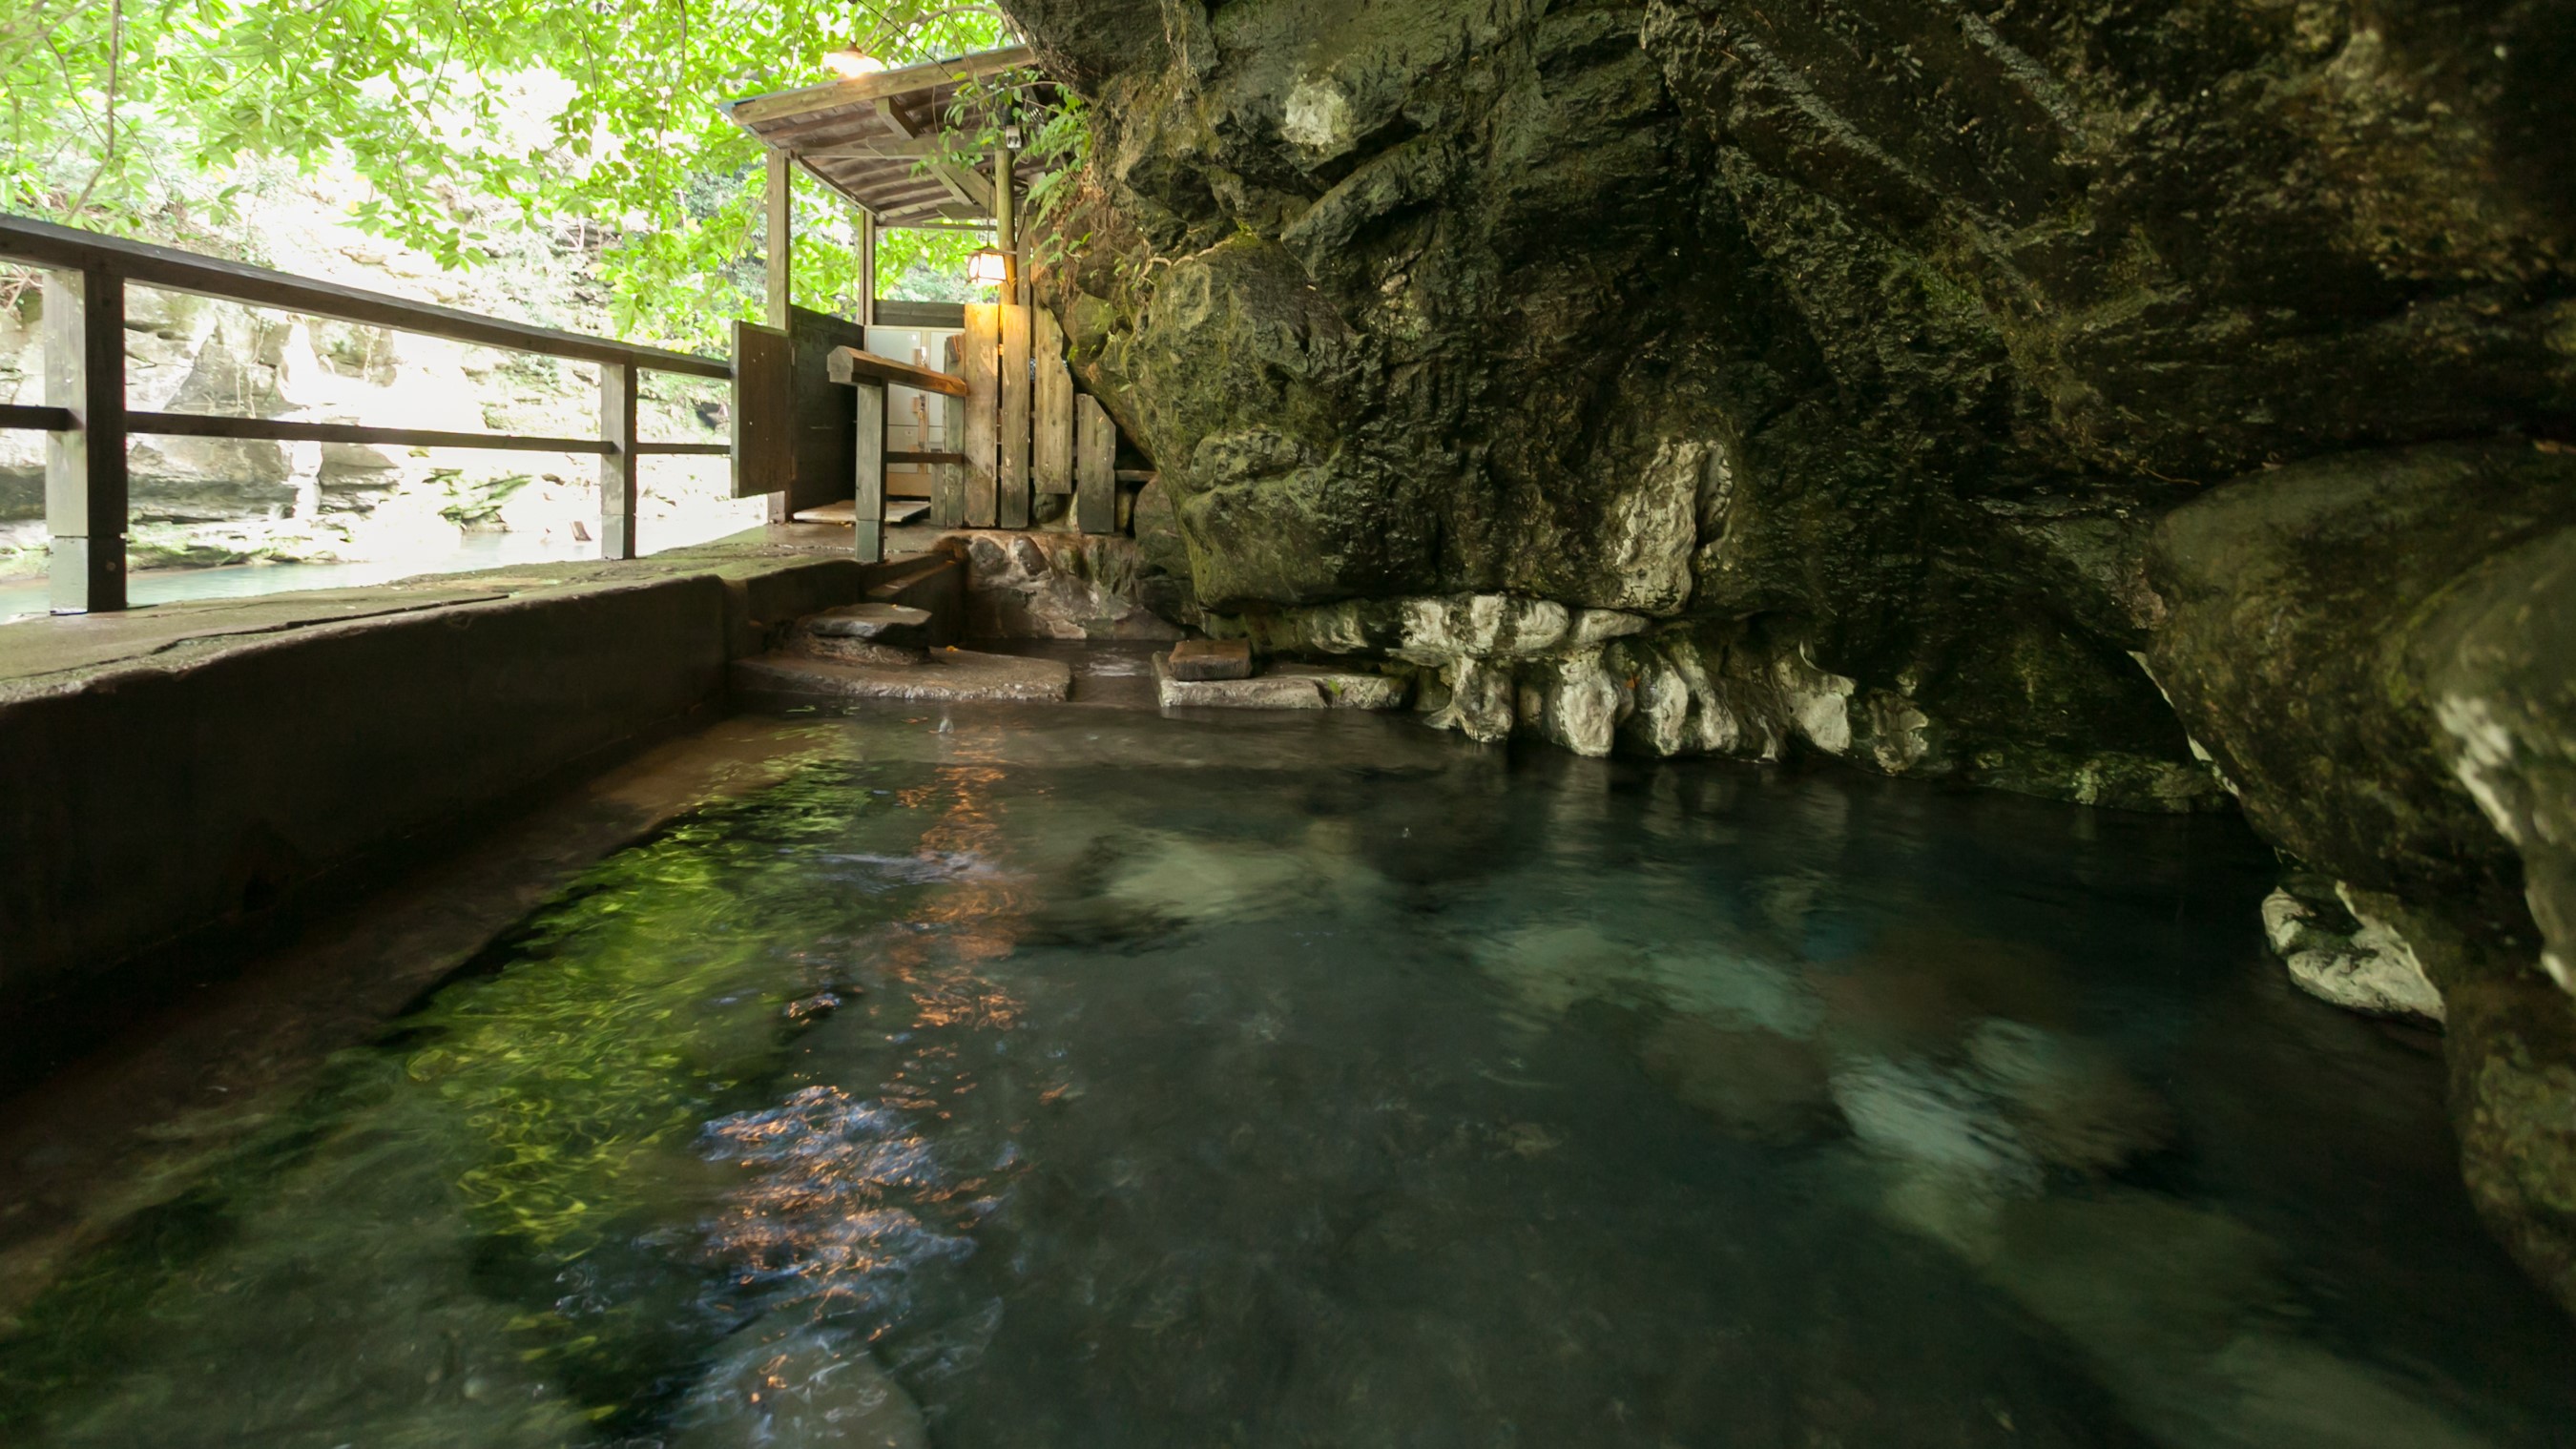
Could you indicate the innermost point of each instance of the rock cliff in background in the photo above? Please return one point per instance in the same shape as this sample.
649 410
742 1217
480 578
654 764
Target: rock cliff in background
1704 376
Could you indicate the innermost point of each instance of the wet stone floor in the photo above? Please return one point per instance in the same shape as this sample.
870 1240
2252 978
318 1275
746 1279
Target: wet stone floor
1061 1077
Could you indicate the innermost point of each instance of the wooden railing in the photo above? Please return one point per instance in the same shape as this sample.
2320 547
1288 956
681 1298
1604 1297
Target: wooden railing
87 422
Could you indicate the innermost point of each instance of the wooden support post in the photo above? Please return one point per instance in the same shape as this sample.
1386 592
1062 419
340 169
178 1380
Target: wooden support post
1051 428
782 236
948 482
1006 221
85 502
864 222
867 491
982 360
781 270
1095 447
1013 486
619 467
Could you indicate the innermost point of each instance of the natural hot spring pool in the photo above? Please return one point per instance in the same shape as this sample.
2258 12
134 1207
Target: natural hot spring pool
1068 1077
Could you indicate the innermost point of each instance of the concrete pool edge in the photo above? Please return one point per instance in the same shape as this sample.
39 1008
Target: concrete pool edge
179 787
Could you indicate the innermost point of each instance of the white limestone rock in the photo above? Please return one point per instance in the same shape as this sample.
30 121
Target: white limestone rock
2351 957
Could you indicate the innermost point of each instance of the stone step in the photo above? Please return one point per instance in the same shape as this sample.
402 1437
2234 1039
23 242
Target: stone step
1203 659
1282 686
900 625
941 675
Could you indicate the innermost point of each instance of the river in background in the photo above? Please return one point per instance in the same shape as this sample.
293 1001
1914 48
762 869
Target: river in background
24 598
1077 1077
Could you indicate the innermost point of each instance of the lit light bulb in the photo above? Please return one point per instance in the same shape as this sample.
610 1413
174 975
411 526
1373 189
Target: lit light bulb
990 267
851 64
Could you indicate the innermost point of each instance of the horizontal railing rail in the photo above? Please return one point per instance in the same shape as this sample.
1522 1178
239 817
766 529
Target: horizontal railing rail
87 421
69 249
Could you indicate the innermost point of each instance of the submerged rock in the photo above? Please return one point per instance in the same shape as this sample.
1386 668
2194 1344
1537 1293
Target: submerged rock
2338 952
803 1389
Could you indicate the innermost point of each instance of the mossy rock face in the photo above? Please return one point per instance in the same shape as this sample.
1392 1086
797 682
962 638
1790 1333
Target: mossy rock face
2296 598
2377 649
1859 349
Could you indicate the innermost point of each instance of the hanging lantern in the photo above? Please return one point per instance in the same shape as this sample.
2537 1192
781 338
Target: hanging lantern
990 267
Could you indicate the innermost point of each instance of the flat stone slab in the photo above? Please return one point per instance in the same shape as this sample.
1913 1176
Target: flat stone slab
900 625
1197 659
1282 686
1349 688
945 675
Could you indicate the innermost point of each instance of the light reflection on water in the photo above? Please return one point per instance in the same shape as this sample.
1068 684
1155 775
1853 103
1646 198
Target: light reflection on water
1058 1079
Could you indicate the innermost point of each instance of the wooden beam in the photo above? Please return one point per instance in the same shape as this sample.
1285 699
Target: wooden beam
850 365
37 419
69 249
867 482
85 481
967 186
981 357
287 430
1011 486
782 237
859 90
1095 467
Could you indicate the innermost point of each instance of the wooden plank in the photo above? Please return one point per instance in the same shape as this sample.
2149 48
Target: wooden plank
861 90
909 149
85 479
618 483
1012 487
764 453
286 430
850 364
1051 430
948 481
44 244
692 450
1095 467
825 443
867 478
981 357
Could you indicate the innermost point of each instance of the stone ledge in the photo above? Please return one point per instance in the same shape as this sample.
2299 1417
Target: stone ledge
946 675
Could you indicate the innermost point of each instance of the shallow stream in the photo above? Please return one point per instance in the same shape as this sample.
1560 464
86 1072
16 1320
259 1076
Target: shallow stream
1081 1077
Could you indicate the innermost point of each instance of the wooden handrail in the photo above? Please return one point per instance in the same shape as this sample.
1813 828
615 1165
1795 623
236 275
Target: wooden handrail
850 365
86 494
41 419
43 244
287 430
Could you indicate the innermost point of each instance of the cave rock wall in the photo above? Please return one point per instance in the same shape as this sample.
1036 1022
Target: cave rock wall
2130 401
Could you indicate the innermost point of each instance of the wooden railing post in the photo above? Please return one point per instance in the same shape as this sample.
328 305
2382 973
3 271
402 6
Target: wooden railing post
619 465
867 493
85 492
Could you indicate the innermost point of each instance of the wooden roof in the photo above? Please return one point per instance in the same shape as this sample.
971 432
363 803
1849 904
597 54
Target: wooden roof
866 138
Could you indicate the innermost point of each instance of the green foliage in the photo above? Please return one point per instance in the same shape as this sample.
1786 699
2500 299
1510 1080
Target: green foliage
475 124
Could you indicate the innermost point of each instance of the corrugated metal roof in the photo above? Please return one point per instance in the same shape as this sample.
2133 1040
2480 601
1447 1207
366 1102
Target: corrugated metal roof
867 138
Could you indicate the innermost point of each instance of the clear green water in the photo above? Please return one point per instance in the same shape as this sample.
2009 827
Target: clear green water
1062 1077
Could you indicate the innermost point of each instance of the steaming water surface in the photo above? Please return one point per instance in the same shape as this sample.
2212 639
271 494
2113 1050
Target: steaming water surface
1061 1077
